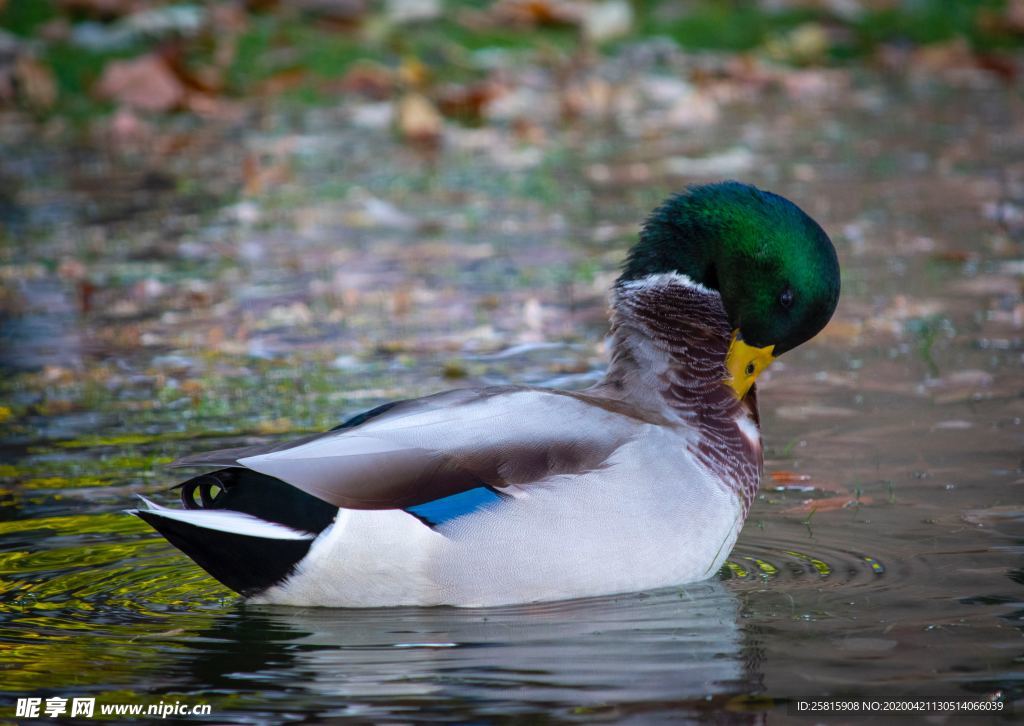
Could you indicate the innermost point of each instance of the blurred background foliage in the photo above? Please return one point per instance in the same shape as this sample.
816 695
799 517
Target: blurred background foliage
77 58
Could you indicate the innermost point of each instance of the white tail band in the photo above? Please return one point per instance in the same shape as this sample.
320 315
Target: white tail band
226 520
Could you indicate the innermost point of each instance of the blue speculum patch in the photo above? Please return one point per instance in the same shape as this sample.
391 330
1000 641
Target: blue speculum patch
446 509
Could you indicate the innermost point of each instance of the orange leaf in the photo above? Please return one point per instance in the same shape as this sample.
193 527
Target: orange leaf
788 477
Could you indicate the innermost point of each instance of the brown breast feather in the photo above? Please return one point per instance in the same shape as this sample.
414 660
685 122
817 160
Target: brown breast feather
690 326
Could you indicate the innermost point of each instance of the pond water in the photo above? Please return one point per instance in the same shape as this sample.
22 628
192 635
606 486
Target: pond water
149 312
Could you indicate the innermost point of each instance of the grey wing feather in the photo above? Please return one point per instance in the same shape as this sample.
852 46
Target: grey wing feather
433 447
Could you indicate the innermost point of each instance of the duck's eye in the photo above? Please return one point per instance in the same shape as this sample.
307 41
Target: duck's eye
786 299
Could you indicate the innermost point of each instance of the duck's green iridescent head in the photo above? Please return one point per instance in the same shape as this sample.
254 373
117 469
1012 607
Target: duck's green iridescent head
775 268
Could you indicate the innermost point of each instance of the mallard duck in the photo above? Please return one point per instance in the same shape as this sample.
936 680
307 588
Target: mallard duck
516 494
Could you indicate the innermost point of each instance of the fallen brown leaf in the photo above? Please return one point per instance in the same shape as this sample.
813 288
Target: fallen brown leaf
145 83
466 103
35 82
538 12
788 477
828 504
369 79
213 107
418 120
284 80
953 256
529 131
102 9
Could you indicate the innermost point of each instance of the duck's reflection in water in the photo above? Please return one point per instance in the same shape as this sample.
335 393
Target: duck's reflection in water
668 651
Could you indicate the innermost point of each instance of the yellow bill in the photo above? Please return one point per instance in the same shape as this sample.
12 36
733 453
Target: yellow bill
745 363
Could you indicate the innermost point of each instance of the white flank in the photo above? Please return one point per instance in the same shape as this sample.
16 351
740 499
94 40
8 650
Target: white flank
225 520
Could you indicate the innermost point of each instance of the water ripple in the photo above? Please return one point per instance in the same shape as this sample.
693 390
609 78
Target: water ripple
783 563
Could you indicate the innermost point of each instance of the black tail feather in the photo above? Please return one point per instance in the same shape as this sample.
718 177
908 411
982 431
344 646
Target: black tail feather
246 564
